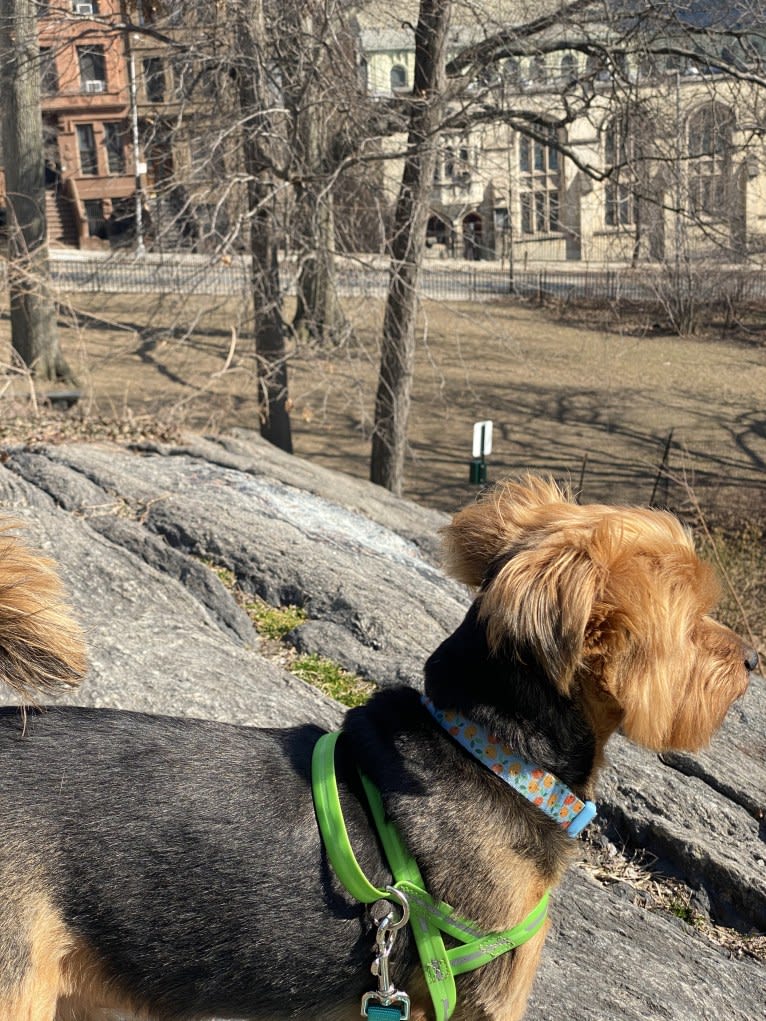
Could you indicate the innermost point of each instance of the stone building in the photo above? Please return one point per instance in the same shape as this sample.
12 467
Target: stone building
665 158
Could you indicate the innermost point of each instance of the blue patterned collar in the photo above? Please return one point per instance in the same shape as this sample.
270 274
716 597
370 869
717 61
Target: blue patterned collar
543 789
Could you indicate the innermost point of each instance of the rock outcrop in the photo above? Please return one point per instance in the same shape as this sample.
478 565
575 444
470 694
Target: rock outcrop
135 534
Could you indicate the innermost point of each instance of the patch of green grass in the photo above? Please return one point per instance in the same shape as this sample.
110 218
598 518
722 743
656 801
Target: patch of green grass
226 577
274 621
682 910
344 687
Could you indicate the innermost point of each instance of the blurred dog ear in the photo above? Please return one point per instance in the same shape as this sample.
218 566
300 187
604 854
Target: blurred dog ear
639 646
484 531
42 648
541 602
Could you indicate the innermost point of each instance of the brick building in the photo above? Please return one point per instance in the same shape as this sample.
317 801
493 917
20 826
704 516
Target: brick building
90 170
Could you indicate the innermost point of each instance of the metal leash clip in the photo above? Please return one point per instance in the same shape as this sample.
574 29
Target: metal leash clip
388 1003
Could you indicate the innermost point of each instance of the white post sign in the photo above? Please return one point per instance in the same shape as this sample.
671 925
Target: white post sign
482 438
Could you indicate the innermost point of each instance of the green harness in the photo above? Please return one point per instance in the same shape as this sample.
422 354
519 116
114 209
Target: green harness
429 917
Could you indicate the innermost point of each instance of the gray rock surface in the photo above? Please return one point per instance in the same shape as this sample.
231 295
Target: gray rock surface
606 960
134 533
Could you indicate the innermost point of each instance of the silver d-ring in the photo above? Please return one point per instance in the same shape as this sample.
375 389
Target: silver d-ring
401 900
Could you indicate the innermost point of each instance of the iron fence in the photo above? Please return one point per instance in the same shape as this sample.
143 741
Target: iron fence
188 275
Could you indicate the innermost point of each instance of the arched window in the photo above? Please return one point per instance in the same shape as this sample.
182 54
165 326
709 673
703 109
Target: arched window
539 182
398 77
569 68
710 150
537 70
512 73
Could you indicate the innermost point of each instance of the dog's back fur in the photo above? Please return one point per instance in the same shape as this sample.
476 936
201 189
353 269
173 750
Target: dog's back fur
177 858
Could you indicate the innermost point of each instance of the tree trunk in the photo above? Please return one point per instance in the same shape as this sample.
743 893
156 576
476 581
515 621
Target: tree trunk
34 330
270 346
318 313
269 326
306 76
392 402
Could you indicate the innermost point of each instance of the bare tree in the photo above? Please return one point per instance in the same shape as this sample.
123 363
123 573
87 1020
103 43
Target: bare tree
392 401
308 55
294 111
256 104
33 307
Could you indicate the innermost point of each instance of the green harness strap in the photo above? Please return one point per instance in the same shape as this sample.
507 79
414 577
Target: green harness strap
429 917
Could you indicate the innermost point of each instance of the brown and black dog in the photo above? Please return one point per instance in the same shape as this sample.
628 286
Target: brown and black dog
172 868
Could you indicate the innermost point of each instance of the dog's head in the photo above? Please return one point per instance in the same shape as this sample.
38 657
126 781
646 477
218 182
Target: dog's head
611 602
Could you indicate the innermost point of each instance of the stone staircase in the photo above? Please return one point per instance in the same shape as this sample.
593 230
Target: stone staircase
61 220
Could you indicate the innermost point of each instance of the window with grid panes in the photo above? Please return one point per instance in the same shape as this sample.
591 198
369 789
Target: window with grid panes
709 150
539 179
620 157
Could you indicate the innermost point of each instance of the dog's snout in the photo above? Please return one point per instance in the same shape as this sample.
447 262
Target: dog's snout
751 660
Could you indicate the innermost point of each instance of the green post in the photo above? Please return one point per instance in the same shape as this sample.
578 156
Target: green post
477 474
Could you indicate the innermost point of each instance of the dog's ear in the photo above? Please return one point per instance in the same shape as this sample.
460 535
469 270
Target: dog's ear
643 647
481 533
541 601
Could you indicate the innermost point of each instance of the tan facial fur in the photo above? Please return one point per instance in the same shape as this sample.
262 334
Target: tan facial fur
612 602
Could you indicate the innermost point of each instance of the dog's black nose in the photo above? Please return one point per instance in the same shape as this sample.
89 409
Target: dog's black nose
751 659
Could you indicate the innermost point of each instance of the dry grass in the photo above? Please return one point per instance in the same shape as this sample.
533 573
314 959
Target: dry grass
635 874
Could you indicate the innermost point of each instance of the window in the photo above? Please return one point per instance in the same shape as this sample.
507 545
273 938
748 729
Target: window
85 8
512 73
539 183
92 68
154 79
455 163
398 77
199 156
86 146
49 79
710 151
537 70
620 155
114 143
502 220
569 68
